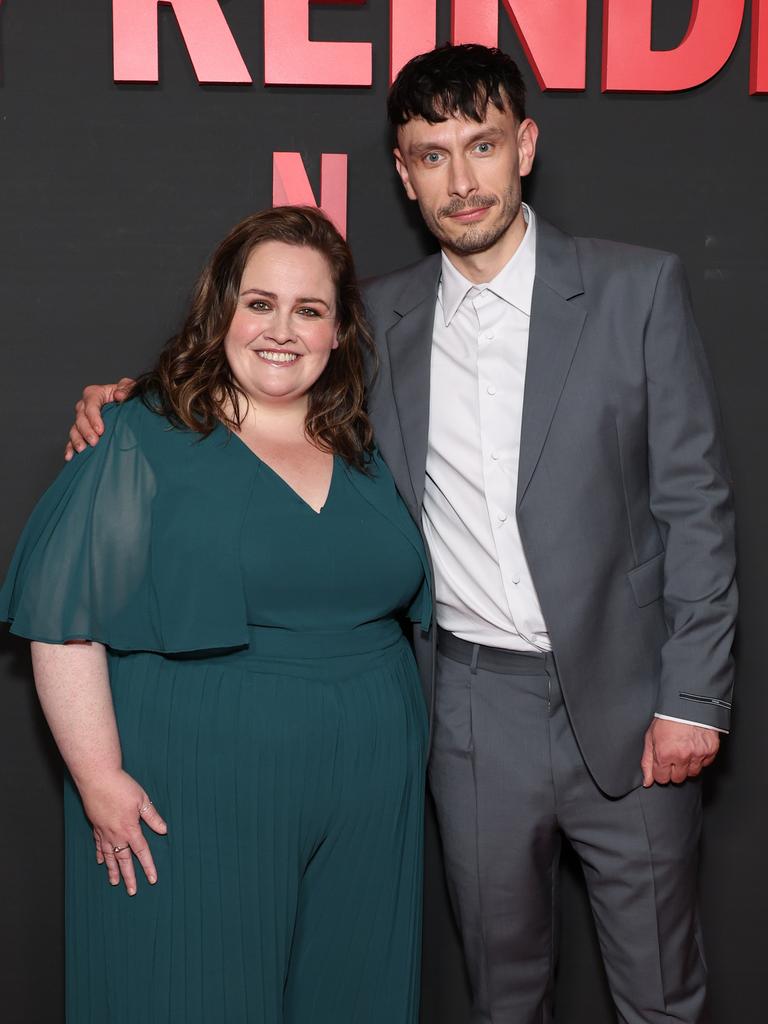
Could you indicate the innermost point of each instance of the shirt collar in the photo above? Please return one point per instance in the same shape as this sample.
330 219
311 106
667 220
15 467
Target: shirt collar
513 283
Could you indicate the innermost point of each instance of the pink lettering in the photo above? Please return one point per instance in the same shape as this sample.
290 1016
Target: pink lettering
290 185
212 47
758 68
629 63
292 58
553 34
411 31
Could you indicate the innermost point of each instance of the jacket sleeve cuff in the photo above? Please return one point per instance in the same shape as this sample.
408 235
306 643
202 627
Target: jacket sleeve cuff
687 721
696 708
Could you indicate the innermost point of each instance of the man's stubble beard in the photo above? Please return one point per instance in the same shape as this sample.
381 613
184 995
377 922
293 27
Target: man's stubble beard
476 238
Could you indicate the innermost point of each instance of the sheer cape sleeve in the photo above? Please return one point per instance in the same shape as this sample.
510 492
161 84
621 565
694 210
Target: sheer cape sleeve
121 550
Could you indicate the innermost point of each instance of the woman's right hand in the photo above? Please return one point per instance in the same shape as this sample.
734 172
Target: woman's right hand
115 805
89 426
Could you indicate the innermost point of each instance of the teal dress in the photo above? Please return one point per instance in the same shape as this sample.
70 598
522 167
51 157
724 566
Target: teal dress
267 700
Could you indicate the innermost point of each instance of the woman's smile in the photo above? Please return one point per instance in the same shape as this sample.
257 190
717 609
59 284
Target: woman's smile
277 357
286 318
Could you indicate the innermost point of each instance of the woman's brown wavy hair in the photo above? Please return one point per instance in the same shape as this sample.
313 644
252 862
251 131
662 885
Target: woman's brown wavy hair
192 383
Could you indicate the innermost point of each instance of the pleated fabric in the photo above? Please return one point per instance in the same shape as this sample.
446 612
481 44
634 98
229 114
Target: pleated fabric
289 884
267 701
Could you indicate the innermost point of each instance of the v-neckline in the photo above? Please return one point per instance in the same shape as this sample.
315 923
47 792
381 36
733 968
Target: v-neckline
284 482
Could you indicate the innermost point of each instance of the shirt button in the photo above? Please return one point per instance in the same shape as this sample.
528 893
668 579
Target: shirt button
502 517
515 578
491 389
495 456
489 335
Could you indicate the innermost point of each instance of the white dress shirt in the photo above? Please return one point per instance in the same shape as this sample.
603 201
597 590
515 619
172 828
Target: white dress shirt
484 591
483 587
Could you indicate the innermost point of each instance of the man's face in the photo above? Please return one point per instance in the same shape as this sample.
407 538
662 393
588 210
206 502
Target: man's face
465 175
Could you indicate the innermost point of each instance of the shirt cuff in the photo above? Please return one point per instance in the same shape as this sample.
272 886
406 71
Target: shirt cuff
684 721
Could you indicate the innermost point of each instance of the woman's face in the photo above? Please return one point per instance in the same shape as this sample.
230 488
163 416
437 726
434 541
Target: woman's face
284 326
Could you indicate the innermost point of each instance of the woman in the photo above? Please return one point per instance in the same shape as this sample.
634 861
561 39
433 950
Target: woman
212 597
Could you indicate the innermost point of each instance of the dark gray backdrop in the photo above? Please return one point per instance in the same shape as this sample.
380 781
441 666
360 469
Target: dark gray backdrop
110 199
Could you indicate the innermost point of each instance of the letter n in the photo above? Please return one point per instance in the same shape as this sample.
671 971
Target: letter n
290 185
211 45
553 35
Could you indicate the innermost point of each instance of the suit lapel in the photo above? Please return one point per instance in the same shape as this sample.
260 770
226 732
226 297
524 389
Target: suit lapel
409 341
556 325
555 330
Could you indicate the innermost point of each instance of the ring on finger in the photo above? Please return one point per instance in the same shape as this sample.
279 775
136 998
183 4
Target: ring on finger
119 849
146 807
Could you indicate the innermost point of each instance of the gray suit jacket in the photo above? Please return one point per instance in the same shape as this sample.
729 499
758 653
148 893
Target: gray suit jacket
624 502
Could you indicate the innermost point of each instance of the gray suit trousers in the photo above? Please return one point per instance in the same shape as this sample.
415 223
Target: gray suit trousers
509 783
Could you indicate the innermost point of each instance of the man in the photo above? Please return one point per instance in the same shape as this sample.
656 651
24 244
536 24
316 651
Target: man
546 409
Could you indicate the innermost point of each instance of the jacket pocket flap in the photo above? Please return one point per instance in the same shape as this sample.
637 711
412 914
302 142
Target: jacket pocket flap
647 580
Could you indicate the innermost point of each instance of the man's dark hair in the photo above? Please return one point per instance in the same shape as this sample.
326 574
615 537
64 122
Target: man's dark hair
452 81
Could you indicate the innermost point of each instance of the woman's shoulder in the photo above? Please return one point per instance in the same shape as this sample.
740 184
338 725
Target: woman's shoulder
374 477
133 413
376 465
172 450
135 422
124 418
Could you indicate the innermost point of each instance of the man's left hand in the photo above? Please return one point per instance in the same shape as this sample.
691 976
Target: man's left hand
674 751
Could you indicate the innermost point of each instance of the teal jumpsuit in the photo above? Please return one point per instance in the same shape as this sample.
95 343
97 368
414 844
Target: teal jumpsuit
268 702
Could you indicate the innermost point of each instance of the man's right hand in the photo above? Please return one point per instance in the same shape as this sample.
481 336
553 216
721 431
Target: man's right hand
89 426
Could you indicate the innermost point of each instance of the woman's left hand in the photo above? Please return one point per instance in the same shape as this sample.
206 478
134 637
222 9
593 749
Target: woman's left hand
116 804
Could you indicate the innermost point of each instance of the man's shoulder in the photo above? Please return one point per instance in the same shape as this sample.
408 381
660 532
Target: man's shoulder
599 259
611 256
385 289
629 275
605 271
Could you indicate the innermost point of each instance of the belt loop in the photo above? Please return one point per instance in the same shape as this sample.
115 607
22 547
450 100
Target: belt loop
475 658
